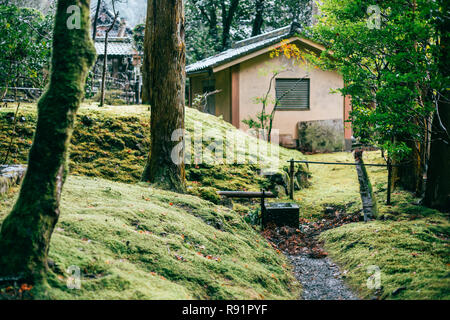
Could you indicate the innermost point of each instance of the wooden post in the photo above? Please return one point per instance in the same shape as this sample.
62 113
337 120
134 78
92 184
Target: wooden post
291 179
389 186
263 220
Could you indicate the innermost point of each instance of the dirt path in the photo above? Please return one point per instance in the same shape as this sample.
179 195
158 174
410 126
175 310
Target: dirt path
330 201
321 279
319 276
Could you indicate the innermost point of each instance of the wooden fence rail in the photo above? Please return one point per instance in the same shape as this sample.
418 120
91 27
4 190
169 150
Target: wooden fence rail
389 166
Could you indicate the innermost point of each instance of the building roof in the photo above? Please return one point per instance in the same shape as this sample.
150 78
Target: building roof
106 18
244 47
116 47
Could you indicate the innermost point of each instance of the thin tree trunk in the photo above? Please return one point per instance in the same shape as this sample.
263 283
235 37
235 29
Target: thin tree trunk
259 18
164 55
94 35
26 231
227 20
105 65
105 60
13 133
94 31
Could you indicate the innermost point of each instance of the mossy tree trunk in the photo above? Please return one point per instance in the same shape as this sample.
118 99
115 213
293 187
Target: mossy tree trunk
164 63
26 231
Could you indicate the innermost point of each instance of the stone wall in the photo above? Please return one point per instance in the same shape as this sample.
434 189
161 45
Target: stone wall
321 136
10 175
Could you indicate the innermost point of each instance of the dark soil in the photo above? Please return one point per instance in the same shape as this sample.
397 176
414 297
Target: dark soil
321 279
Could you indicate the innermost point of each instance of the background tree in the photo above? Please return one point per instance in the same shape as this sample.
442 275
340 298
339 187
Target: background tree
212 25
26 42
105 54
389 70
164 69
25 233
437 193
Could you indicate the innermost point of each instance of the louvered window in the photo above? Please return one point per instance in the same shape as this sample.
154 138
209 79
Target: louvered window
292 93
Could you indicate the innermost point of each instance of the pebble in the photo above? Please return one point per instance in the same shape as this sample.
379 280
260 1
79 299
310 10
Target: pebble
321 279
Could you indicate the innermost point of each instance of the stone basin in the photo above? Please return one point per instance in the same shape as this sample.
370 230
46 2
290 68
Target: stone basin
282 214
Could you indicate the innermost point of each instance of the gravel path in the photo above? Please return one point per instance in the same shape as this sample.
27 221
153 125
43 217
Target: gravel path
320 278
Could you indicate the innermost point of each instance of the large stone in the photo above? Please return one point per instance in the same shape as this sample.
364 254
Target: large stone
321 136
10 175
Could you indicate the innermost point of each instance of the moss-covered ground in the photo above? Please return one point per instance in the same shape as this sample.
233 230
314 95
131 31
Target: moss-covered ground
131 241
113 143
409 243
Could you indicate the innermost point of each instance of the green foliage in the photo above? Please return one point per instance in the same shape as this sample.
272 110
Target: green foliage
205 21
138 37
136 242
26 40
390 71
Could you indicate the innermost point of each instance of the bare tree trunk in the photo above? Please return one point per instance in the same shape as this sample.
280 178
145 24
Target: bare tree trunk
94 35
164 56
227 20
94 31
26 231
105 59
259 18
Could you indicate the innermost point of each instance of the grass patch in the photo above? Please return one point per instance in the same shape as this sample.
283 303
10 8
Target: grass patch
413 257
136 242
409 242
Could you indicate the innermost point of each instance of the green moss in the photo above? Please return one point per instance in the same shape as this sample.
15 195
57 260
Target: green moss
113 143
409 242
126 239
413 257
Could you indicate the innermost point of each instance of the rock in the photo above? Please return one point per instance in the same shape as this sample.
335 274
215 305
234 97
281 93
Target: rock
10 175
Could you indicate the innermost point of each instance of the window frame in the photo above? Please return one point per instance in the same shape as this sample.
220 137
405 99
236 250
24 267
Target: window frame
297 108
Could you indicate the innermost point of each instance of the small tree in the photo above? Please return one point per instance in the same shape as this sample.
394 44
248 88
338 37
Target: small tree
105 54
263 121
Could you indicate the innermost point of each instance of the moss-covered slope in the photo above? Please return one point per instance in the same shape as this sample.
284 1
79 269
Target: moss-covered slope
113 143
409 244
136 242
